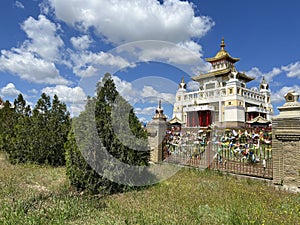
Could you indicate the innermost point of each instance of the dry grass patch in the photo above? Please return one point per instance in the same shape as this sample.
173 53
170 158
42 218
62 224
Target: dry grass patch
31 194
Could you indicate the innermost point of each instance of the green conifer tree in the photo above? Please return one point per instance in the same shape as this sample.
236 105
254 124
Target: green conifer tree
109 131
8 119
20 143
51 124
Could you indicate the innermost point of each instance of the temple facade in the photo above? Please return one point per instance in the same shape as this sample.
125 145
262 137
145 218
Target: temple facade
223 98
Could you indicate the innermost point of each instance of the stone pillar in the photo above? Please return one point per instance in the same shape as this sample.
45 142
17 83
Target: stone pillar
156 129
286 144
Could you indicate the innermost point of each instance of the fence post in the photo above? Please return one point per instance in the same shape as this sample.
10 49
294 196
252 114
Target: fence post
156 129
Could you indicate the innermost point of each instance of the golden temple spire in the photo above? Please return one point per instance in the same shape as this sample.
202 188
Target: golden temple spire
223 45
159 112
182 80
264 84
182 84
222 54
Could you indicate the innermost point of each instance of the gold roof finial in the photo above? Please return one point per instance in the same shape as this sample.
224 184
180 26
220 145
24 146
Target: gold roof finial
222 44
182 83
222 54
159 112
182 79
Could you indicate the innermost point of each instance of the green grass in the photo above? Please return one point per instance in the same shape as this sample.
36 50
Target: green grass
31 194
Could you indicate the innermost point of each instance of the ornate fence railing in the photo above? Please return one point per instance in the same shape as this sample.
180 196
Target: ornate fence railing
247 152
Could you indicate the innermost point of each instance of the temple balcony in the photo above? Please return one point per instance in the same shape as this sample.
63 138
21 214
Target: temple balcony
203 96
251 94
199 108
256 109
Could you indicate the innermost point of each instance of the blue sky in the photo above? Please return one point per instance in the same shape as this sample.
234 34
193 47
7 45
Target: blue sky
64 47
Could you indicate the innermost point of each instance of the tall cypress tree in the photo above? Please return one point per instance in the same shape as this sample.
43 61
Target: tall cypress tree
51 124
59 123
105 105
37 136
20 143
8 119
118 126
79 172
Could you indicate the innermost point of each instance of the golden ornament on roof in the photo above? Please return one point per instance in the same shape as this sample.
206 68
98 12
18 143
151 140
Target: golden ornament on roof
222 54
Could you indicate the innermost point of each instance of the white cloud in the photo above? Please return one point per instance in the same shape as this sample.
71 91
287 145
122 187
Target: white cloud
66 94
35 60
122 21
257 74
33 91
143 120
10 90
126 90
182 53
87 64
293 69
30 67
43 38
278 96
75 98
186 56
45 8
151 89
81 43
139 92
148 111
19 5
149 94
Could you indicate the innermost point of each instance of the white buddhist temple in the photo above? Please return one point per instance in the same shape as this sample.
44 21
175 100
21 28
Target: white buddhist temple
223 98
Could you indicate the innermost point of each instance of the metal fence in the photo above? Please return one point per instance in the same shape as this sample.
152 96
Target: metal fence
247 152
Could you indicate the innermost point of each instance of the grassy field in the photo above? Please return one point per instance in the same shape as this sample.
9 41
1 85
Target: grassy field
42 195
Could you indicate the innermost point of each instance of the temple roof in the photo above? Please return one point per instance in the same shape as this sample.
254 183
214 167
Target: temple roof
259 119
223 72
222 54
175 120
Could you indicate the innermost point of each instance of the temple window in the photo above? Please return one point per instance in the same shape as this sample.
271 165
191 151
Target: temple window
210 86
